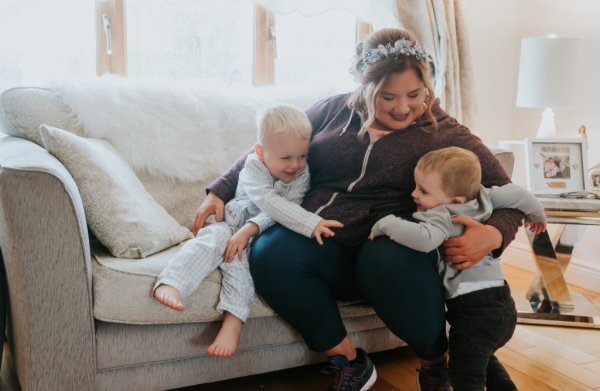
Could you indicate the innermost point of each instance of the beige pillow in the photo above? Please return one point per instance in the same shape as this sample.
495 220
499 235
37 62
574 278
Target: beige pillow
118 209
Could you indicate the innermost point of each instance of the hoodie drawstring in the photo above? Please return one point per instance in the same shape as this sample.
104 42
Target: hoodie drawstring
347 123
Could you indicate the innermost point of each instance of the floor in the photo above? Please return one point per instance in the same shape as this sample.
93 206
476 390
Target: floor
538 358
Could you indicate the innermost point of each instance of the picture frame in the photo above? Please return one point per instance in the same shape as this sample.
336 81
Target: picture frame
556 165
595 178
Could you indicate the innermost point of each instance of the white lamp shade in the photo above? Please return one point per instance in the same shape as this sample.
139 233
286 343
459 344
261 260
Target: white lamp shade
548 72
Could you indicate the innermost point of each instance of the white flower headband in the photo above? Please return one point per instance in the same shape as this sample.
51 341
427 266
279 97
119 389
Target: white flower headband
402 47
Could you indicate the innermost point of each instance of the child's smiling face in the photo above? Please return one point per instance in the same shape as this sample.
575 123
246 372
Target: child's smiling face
428 191
284 155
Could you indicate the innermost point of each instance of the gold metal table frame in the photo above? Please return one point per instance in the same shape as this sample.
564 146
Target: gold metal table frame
548 300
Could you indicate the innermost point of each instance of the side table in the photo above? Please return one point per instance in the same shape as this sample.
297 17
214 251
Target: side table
548 299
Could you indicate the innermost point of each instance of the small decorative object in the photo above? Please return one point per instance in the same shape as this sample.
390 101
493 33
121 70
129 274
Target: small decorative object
595 178
556 166
582 133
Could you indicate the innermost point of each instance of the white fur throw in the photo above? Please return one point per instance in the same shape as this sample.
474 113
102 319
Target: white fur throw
190 132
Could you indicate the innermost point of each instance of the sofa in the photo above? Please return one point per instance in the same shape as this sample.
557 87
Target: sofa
79 309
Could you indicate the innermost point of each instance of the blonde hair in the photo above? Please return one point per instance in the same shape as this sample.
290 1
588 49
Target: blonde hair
373 77
459 170
282 119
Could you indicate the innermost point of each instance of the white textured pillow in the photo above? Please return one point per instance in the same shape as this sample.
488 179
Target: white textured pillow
118 209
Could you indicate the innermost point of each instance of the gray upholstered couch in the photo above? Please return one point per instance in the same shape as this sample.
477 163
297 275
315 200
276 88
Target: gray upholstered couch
82 319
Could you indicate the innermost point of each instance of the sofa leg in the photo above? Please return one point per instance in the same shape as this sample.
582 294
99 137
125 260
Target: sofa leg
3 301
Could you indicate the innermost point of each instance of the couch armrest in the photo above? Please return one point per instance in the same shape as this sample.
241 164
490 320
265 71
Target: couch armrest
45 246
506 158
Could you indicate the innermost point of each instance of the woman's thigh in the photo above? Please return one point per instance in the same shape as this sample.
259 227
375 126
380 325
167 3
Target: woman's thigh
406 291
301 280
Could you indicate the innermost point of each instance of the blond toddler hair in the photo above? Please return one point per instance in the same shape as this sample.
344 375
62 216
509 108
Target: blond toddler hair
459 170
282 119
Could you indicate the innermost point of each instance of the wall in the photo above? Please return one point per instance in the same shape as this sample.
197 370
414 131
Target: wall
496 28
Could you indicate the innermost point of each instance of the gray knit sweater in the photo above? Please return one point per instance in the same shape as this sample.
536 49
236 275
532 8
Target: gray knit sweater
435 225
359 182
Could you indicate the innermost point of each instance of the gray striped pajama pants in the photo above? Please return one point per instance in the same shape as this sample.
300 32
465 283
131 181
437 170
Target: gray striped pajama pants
199 257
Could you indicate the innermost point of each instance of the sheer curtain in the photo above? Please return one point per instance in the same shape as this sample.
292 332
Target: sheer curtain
380 13
41 40
440 26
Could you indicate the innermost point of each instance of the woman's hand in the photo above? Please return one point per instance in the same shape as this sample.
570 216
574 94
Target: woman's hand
473 245
212 205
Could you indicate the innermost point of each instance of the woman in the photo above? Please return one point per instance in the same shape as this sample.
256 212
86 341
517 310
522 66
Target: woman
362 155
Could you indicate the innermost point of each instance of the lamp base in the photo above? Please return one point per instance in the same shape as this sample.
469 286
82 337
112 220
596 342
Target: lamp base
547 127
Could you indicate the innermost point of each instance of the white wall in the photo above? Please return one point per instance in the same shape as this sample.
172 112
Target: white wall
573 18
496 28
493 37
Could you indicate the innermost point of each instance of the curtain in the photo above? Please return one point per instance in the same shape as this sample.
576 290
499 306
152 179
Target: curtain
440 26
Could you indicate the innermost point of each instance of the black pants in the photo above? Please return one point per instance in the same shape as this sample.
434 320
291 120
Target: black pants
302 280
481 322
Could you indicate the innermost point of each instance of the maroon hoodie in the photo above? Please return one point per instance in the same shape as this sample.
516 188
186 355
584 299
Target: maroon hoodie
358 182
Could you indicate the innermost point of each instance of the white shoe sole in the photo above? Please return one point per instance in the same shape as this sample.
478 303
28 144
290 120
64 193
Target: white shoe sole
371 381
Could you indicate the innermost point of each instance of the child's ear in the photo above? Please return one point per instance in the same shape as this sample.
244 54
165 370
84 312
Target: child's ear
459 200
258 149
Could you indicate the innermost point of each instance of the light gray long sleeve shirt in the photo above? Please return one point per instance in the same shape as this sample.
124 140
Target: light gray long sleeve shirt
435 225
264 200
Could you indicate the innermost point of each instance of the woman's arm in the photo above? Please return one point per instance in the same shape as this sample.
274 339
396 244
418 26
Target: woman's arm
212 205
473 245
224 186
218 193
495 234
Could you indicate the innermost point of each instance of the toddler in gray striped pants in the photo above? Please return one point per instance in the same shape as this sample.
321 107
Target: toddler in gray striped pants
270 188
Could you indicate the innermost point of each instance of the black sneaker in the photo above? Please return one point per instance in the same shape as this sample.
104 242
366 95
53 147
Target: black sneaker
356 376
497 378
433 378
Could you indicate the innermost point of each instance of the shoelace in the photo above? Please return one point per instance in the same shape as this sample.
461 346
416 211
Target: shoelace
433 380
340 376
344 376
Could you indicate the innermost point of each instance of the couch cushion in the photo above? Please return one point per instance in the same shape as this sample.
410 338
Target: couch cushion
122 293
120 212
124 345
24 109
180 198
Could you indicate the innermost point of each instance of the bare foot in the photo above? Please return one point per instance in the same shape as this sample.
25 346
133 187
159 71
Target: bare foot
169 296
228 339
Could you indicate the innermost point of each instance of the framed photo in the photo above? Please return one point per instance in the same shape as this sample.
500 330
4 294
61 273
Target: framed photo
556 165
595 178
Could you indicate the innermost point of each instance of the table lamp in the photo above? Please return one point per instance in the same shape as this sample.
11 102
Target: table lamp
548 73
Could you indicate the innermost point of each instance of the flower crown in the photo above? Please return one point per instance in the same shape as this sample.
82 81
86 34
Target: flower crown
402 47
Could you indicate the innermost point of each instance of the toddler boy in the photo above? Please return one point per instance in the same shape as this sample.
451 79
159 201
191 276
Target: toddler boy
271 186
481 311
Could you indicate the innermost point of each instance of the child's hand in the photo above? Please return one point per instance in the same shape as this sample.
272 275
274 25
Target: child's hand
239 241
322 229
235 246
375 232
537 227
372 234
376 229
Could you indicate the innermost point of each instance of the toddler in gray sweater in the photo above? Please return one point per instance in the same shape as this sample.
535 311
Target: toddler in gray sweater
481 312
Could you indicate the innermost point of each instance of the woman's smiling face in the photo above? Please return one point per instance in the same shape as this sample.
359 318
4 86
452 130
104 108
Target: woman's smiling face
400 101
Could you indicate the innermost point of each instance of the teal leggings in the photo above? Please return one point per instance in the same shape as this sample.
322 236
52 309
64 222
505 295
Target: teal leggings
302 280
